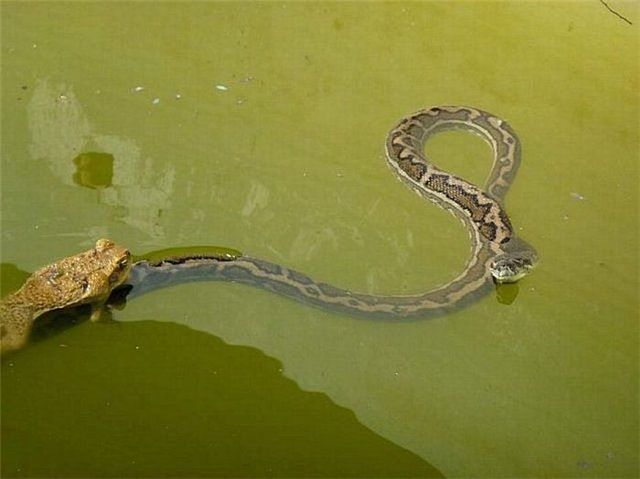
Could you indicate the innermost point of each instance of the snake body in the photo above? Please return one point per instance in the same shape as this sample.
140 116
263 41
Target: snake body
496 253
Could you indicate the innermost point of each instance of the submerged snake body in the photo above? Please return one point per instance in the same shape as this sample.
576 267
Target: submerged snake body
496 252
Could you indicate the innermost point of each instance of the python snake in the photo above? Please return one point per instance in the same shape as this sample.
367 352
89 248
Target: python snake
497 254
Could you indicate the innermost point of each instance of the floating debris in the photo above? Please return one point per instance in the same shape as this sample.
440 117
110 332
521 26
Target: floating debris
577 196
221 88
138 89
178 96
156 101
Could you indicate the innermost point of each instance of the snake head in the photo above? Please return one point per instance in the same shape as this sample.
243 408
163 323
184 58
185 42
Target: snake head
515 262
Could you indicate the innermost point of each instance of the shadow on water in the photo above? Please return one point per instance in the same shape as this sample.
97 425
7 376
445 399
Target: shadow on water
11 278
169 401
93 170
214 409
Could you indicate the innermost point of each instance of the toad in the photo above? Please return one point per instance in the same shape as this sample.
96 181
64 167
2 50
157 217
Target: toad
86 278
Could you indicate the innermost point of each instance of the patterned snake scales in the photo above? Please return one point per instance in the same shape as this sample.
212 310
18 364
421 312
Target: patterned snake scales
497 254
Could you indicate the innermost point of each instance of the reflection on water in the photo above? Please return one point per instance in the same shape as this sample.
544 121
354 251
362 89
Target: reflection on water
62 134
257 199
506 293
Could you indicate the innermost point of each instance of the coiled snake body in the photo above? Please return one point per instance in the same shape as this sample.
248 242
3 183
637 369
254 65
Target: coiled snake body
497 254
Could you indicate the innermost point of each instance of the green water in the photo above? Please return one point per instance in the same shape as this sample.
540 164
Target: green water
260 126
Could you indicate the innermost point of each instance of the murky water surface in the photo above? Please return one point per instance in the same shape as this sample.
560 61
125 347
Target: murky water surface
260 126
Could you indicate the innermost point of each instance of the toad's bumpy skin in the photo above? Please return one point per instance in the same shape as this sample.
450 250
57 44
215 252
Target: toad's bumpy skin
87 277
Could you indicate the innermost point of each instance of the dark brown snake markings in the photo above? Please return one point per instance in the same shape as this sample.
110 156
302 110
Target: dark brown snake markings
496 251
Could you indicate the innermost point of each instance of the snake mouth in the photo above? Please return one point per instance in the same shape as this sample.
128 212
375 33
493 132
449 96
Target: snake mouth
509 269
509 277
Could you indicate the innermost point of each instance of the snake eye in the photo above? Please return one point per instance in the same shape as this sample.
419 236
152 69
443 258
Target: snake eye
505 240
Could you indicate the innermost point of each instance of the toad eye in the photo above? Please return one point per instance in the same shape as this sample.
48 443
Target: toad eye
122 263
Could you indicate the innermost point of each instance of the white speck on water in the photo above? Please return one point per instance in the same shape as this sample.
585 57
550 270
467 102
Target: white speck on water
63 98
138 89
396 373
577 196
565 217
137 348
63 345
178 96
36 227
35 45
239 102
156 101
221 88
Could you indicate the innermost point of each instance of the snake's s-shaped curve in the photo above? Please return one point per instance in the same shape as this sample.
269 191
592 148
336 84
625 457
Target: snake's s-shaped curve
496 253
